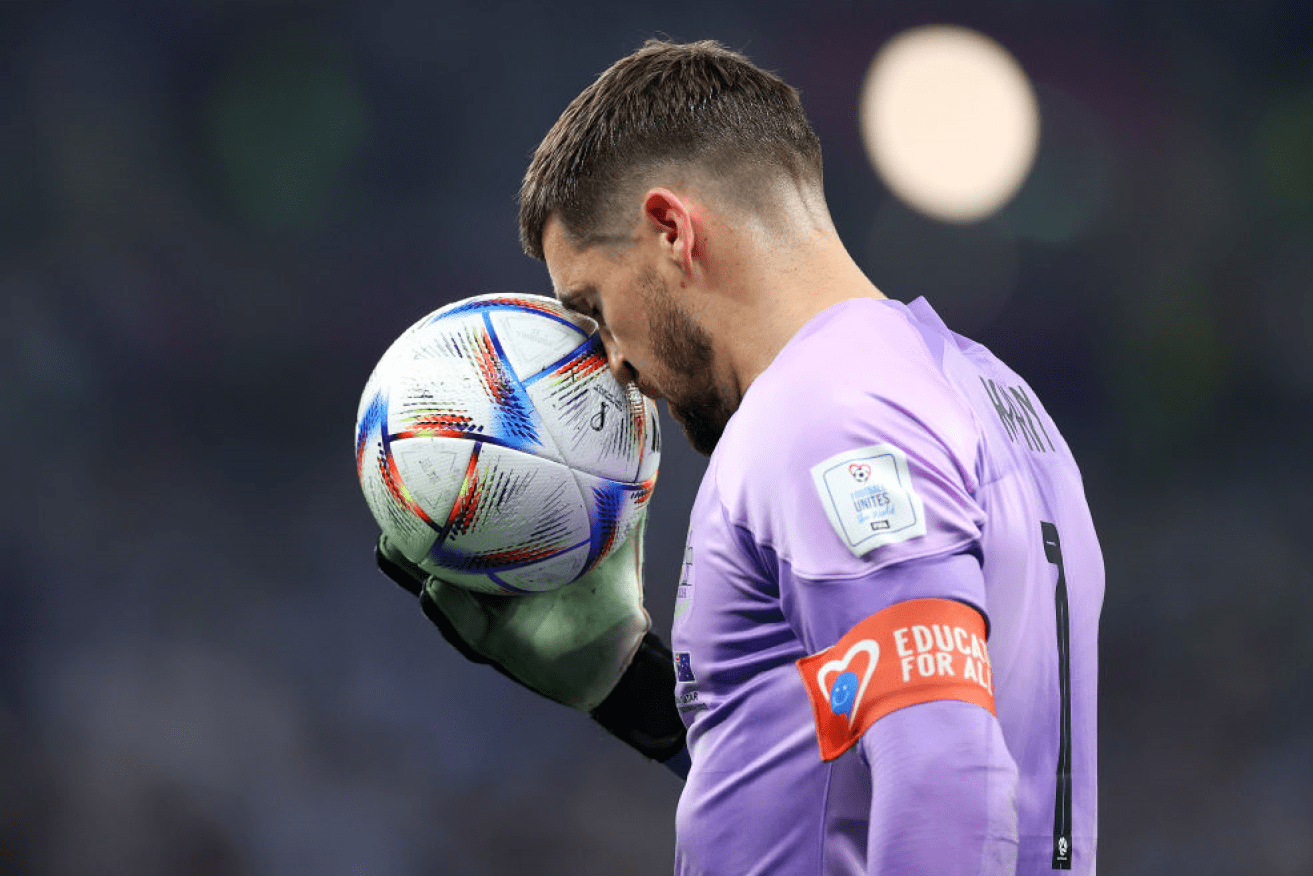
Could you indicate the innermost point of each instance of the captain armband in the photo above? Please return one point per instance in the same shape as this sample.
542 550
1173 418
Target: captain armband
913 652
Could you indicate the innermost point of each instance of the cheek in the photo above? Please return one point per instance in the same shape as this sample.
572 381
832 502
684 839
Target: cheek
628 329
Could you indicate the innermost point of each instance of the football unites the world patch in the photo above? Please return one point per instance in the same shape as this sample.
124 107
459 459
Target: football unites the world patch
868 497
913 652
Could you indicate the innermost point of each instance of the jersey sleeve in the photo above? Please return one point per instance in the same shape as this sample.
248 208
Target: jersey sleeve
950 759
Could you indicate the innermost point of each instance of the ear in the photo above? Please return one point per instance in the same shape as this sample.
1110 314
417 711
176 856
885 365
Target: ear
670 218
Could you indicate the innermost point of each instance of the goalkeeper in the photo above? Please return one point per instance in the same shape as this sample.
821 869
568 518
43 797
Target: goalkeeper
885 642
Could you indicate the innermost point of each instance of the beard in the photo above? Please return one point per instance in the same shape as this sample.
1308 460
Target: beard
683 350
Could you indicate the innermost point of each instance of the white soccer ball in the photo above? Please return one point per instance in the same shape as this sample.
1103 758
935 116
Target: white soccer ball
497 451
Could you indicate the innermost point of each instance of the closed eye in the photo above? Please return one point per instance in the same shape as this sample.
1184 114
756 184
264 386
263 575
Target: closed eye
579 300
580 303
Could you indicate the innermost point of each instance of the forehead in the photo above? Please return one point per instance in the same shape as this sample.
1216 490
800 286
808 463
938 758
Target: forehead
574 272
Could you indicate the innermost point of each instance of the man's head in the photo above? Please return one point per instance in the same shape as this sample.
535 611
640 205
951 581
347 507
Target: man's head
679 109
638 198
651 337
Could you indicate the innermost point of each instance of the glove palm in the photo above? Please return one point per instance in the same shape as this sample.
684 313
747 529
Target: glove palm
571 644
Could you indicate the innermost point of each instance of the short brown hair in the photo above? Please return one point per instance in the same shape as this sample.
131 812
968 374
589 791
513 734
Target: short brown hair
667 102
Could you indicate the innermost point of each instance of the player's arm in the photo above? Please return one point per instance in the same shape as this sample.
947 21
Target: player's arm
911 687
873 531
950 757
586 645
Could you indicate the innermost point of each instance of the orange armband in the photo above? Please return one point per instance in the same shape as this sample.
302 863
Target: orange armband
912 652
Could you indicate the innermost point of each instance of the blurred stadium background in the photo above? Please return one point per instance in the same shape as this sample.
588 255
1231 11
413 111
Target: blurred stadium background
214 216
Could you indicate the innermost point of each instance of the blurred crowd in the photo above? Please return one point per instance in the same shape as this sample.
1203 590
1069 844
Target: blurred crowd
215 216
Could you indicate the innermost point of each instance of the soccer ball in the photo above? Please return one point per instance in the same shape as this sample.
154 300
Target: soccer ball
497 451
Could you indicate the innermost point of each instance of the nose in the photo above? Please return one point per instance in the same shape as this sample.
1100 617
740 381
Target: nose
615 359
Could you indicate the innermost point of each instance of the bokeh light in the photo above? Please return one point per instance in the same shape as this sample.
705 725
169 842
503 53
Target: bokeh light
950 122
283 122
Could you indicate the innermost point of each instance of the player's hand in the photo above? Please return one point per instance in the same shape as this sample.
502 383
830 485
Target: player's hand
571 645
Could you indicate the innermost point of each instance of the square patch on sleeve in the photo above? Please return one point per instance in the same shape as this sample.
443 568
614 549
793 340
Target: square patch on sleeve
868 497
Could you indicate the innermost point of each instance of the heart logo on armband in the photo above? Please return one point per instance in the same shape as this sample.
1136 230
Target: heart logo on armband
845 692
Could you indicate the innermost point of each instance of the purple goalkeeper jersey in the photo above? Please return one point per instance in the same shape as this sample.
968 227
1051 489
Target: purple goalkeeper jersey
883 458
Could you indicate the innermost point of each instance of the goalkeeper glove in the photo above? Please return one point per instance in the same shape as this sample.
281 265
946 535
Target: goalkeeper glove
586 645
